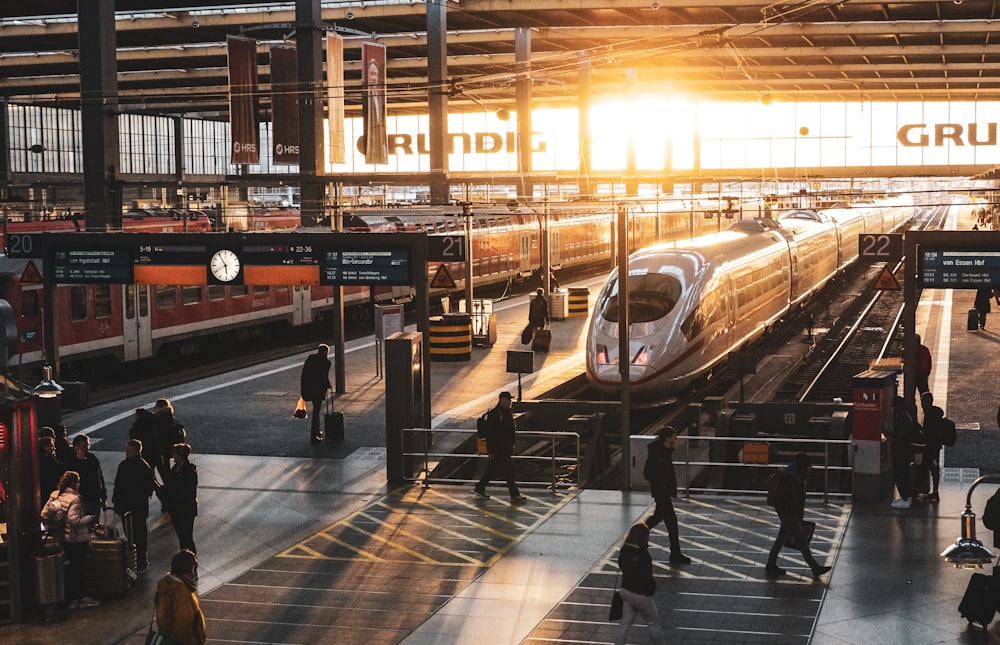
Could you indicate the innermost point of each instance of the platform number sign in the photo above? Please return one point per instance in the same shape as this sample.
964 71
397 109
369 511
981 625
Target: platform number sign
881 247
446 248
24 245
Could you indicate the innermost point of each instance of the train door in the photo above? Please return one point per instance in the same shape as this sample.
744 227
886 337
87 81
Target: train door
524 262
137 329
301 305
555 257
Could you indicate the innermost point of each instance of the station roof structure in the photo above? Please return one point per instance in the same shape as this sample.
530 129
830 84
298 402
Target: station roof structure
172 54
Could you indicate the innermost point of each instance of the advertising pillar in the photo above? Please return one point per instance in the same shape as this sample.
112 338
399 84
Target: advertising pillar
872 415
404 400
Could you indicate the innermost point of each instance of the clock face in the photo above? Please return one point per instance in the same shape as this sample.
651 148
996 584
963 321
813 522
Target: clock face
225 265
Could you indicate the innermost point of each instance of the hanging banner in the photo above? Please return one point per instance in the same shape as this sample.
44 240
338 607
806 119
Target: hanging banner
243 100
335 96
376 147
284 104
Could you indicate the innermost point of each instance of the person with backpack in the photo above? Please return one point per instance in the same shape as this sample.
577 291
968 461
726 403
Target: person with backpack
788 496
659 472
501 433
64 516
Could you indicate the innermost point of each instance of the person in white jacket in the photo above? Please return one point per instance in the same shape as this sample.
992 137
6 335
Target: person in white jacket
75 538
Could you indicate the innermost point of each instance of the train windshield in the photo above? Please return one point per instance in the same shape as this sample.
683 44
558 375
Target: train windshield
651 297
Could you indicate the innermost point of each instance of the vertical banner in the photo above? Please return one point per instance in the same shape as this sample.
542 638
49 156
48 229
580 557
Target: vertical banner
243 101
376 145
335 96
284 104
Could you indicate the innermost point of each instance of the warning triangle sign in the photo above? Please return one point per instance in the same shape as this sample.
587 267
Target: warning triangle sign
886 281
31 275
442 278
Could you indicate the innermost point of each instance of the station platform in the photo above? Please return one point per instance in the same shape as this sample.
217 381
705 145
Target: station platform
305 543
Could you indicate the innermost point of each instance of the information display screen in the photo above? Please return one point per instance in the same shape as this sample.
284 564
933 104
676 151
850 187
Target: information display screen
387 266
289 264
85 266
959 268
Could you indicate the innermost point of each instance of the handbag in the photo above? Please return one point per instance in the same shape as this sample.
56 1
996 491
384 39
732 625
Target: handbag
300 409
154 637
481 447
808 528
617 603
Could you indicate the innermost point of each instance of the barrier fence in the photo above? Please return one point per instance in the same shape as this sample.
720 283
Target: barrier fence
543 450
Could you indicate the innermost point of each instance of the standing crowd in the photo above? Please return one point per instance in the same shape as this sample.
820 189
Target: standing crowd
72 484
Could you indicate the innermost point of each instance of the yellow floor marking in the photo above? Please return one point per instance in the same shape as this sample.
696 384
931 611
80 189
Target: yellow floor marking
394 545
467 538
399 531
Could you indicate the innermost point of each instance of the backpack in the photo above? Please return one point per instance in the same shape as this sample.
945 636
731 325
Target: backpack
53 517
484 425
949 434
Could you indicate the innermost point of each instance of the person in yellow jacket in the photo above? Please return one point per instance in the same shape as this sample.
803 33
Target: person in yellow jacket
178 614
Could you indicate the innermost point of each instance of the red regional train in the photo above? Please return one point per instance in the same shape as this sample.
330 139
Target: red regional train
135 322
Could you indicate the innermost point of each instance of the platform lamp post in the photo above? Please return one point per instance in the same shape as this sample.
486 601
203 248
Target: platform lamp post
968 552
49 396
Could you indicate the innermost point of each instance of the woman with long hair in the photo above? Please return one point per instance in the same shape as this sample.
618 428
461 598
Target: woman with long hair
638 586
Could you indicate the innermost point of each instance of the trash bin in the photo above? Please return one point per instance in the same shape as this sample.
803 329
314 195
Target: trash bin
49 585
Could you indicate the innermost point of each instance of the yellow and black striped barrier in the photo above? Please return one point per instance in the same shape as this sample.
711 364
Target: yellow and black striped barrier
451 337
579 302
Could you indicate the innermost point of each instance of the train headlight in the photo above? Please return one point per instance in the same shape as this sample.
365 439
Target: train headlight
602 355
642 356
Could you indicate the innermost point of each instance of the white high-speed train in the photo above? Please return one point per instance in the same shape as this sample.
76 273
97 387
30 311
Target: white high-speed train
691 303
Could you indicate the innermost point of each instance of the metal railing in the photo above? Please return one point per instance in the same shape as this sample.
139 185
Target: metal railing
558 462
825 466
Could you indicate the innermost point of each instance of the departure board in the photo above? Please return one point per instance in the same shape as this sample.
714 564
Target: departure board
285 264
84 266
182 264
958 268
383 266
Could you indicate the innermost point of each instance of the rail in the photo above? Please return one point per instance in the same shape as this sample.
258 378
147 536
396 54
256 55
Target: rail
826 466
460 437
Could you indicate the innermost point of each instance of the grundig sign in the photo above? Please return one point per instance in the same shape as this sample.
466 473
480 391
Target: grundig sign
465 143
918 135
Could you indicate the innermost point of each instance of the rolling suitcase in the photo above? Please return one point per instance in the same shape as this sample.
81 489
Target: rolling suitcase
333 423
110 566
542 340
972 323
920 479
979 602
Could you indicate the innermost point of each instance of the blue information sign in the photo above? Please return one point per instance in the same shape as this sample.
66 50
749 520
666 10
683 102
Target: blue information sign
959 268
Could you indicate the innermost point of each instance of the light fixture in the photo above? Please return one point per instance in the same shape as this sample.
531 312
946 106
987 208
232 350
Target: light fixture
503 114
48 388
349 15
968 552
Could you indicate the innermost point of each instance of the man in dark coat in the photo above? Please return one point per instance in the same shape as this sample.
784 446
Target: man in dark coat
134 485
169 432
315 381
659 472
790 504
49 468
982 304
500 438
144 430
538 310
85 463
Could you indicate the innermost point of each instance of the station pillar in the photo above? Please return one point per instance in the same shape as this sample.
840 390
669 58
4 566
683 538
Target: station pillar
873 391
404 401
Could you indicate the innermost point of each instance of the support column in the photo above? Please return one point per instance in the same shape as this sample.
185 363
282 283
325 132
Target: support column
522 63
437 100
635 130
583 77
99 115
309 35
180 198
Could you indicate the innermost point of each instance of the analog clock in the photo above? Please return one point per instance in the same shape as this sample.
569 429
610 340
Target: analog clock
225 265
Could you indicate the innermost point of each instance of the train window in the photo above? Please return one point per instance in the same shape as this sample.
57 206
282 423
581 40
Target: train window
166 296
190 295
78 303
102 301
651 297
237 290
216 292
29 303
259 290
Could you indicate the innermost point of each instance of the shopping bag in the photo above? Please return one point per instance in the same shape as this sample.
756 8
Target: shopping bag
617 606
481 448
300 409
808 528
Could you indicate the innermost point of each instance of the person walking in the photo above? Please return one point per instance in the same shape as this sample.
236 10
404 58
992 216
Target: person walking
790 504
88 467
933 440
638 586
314 383
923 371
75 538
538 310
500 438
179 495
178 613
169 432
982 304
134 485
899 445
659 472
